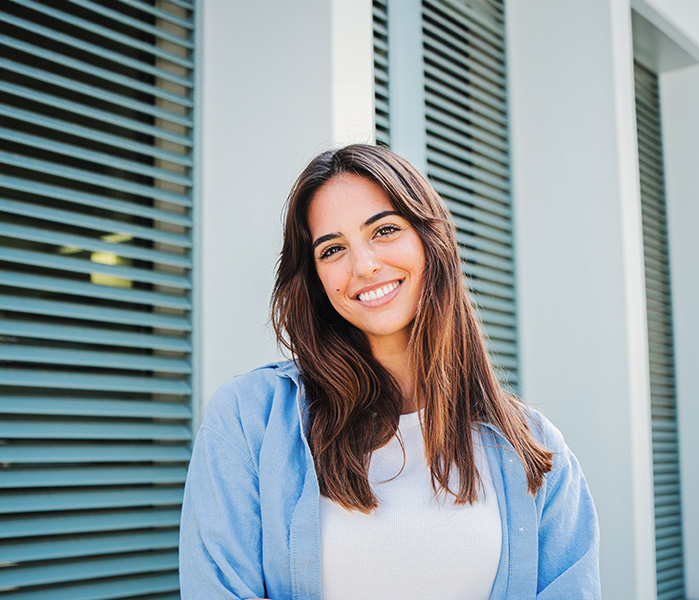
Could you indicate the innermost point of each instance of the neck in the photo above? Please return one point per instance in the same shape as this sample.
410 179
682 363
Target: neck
394 357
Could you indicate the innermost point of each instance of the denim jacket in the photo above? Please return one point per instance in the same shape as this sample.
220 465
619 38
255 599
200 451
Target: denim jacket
250 512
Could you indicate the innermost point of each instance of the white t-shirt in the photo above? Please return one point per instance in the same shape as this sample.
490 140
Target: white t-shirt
415 544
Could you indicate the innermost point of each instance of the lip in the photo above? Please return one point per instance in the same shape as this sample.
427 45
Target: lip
379 301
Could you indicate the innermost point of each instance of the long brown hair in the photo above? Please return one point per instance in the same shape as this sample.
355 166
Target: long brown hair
354 404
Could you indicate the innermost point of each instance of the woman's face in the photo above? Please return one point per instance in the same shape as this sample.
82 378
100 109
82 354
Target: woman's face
369 259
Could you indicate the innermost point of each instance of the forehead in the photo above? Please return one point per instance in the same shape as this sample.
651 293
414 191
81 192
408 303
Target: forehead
344 203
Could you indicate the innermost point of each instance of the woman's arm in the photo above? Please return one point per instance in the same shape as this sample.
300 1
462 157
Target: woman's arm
568 532
220 533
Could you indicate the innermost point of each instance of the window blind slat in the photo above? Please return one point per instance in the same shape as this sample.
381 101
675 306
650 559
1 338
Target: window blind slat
442 19
89 522
90 358
86 381
100 158
85 111
471 154
449 119
95 313
436 25
80 288
89 569
78 265
162 14
471 237
94 453
93 135
162 33
89 499
96 50
445 83
96 201
80 219
109 33
182 3
123 587
73 85
471 18
93 407
456 163
92 476
91 335
46 236
88 546
466 69
73 174
83 67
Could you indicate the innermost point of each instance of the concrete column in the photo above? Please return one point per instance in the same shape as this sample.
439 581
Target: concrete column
679 91
580 279
280 82
352 39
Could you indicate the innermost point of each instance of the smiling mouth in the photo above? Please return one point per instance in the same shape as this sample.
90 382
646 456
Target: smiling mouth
379 293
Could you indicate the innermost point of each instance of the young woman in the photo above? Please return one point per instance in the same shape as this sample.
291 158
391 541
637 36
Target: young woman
385 461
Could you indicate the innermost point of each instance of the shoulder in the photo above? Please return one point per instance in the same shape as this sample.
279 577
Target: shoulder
261 379
246 400
543 430
565 464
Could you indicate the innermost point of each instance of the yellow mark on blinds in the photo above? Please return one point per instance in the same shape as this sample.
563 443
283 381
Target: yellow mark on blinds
109 258
69 250
116 238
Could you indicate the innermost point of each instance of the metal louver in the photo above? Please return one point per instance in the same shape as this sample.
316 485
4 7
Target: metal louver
666 472
381 72
95 295
467 156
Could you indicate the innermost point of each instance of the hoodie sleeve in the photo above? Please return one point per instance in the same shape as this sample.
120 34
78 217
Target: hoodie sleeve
568 529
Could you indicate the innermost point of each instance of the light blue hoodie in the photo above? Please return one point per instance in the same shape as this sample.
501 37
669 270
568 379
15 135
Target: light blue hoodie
250 514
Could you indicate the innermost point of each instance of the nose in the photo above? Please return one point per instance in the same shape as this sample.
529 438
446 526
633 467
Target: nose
365 262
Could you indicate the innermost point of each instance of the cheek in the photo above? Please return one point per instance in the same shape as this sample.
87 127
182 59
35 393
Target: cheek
332 281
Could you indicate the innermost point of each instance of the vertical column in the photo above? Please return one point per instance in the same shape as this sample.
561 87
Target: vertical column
579 254
679 92
352 40
407 82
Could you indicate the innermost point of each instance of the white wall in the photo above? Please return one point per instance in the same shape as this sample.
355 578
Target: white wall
680 117
280 81
580 281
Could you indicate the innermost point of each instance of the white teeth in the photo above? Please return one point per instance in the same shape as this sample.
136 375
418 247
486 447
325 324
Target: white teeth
380 293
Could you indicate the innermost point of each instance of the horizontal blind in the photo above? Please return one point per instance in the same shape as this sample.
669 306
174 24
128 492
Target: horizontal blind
467 156
95 295
381 96
666 471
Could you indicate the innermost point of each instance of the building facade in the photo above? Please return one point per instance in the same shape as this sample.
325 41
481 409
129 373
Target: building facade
147 149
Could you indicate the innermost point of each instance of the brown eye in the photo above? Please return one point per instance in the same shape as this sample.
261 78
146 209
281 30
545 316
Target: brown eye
329 251
385 230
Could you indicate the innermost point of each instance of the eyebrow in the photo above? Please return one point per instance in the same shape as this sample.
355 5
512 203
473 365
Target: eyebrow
369 221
